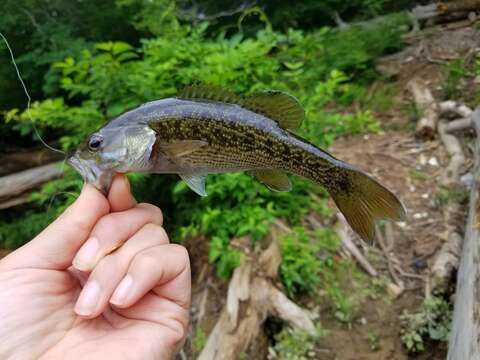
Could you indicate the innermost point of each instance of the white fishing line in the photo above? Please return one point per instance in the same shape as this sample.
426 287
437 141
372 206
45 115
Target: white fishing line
29 99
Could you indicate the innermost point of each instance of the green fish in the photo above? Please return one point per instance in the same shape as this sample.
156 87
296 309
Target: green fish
207 130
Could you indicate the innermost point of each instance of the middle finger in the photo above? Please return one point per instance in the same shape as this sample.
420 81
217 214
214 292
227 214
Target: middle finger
112 230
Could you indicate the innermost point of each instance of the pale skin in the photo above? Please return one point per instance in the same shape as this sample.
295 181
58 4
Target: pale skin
66 295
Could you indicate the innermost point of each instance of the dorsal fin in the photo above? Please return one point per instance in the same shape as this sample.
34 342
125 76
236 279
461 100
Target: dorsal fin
209 92
277 105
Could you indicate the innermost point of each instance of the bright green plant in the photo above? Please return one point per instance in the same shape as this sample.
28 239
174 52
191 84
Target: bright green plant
431 323
294 344
199 340
301 266
445 195
455 71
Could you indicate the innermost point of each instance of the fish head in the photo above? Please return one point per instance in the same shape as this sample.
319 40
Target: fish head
113 150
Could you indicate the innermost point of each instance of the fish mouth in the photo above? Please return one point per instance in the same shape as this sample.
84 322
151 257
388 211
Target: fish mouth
92 173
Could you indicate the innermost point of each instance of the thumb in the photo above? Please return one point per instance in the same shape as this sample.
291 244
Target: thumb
55 247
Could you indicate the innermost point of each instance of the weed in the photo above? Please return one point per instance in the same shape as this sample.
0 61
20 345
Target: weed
292 344
417 174
199 340
374 341
445 195
431 322
301 267
454 71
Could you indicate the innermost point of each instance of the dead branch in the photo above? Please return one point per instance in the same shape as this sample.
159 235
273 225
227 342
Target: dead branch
459 125
451 175
446 261
427 107
390 260
452 107
344 233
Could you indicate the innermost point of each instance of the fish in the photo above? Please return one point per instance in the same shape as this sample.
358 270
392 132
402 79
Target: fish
207 129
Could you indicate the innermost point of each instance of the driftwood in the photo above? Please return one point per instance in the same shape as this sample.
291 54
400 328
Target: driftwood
426 105
465 332
252 297
13 188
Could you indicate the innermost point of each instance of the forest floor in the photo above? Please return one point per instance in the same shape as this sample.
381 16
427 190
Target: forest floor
409 166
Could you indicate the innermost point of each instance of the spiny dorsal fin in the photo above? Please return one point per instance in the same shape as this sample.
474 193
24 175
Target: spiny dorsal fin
275 180
277 105
209 92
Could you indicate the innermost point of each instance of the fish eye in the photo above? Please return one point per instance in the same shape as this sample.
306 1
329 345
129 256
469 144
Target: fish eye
95 142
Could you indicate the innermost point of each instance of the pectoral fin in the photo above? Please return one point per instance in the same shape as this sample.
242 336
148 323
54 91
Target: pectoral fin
196 183
275 180
180 148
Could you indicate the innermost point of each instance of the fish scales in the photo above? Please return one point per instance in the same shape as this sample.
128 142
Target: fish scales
239 137
194 136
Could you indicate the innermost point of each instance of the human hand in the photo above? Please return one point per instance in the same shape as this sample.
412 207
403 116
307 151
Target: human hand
129 304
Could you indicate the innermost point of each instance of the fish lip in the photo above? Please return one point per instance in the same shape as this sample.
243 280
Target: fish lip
92 173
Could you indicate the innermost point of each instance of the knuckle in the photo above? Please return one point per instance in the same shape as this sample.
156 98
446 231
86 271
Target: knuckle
146 260
106 223
155 212
181 251
156 232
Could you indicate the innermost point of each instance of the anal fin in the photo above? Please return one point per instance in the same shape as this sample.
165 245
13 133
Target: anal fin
195 182
274 179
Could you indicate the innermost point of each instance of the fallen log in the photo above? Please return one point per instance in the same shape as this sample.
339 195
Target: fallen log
452 10
251 298
463 342
14 186
427 107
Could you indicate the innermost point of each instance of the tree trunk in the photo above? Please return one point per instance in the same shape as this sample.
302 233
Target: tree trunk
464 338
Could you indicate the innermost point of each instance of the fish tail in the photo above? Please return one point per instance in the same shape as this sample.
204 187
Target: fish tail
362 200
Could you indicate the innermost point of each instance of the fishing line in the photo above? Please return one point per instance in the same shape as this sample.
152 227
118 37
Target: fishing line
29 99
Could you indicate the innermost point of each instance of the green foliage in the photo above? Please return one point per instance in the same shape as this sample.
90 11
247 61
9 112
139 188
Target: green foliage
294 344
301 267
199 340
455 71
347 288
225 258
105 79
431 323
445 195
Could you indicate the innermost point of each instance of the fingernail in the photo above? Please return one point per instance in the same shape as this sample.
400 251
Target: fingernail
88 300
87 255
121 292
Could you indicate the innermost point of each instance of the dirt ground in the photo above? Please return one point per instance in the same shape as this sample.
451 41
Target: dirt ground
409 166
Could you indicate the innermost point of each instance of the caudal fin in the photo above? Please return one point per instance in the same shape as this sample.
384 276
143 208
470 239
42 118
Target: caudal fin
363 200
